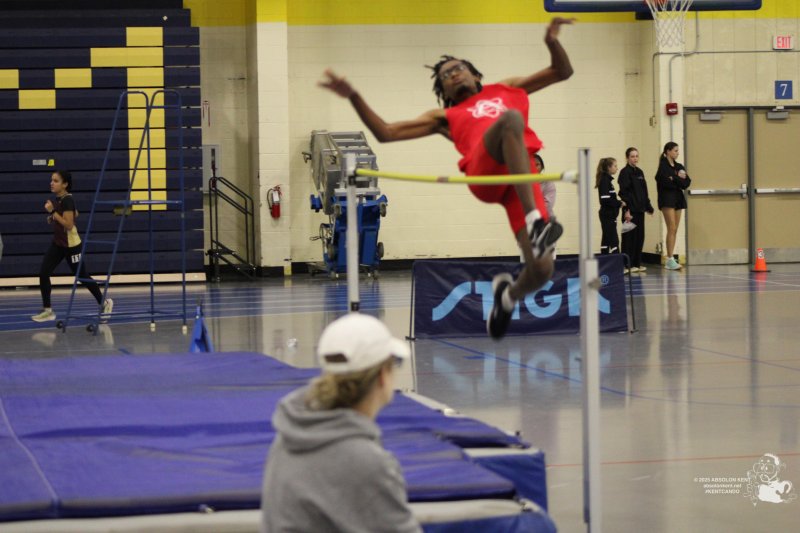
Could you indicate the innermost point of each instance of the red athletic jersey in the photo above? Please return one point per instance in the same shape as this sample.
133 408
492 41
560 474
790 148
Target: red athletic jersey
470 119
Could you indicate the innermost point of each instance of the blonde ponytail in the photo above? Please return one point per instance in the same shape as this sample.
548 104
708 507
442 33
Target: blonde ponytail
332 391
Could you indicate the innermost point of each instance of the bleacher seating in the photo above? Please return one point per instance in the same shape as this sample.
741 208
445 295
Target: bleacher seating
63 66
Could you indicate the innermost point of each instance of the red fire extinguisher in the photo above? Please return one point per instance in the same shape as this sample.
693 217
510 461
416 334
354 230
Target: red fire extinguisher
274 201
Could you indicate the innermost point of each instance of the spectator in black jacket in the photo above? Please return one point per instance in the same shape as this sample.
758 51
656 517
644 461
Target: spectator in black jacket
609 205
633 191
671 180
548 187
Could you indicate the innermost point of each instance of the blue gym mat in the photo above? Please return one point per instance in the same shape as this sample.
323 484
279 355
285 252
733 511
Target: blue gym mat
139 434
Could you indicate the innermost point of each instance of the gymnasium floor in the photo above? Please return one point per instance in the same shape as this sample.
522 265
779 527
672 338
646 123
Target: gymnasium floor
707 386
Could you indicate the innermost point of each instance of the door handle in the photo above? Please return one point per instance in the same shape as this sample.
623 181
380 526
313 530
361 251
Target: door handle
777 190
742 191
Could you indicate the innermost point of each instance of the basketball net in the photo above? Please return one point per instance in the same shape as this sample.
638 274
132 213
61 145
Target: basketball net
669 17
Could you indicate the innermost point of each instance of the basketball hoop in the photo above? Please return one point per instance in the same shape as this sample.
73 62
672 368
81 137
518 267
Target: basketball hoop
669 16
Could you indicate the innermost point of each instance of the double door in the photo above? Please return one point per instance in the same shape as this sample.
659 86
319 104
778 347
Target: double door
745 194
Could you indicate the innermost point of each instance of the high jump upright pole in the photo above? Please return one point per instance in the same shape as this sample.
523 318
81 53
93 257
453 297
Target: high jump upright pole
590 348
353 302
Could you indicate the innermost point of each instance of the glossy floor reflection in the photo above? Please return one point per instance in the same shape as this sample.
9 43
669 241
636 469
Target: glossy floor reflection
708 384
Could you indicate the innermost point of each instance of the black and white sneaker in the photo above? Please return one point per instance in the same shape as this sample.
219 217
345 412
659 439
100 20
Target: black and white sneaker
544 236
499 318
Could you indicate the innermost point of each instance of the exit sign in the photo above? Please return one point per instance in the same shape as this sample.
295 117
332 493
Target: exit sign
783 42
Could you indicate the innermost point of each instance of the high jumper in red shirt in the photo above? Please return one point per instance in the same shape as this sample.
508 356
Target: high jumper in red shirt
489 126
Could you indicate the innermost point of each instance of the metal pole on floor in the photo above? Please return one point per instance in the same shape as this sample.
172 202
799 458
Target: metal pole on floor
352 234
590 348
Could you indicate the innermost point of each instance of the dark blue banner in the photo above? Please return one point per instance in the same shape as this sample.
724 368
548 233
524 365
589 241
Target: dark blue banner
453 298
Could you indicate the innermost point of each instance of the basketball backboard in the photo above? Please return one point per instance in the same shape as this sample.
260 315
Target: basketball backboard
639 6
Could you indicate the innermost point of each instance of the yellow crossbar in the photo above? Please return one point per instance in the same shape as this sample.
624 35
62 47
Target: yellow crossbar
507 179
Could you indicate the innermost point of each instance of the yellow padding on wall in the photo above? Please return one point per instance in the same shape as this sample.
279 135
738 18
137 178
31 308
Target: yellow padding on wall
158 159
136 118
144 36
158 184
73 78
142 195
145 77
158 180
157 138
37 99
127 57
9 78
158 99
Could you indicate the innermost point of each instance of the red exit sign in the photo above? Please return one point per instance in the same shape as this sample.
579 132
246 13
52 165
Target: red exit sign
783 42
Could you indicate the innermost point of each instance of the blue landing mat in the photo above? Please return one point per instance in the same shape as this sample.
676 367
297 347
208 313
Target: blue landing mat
122 435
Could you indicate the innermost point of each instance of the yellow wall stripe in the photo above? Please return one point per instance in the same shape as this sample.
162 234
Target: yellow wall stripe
217 13
143 36
333 12
9 78
73 78
136 117
158 159
336 12
157 138
37 99
158 180
128 57
145 77
154 195
272 10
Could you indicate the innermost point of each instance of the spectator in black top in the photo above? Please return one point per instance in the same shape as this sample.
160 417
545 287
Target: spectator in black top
609 205
633 191
671 181
66 245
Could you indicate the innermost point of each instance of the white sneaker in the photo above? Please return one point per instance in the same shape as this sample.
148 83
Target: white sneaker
45 316
108 306
671 264
642 268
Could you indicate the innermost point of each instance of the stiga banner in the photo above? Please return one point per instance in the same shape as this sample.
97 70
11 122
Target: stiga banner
454 298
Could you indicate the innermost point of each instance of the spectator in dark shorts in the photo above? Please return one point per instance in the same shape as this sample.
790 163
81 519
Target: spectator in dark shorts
671 181
633 191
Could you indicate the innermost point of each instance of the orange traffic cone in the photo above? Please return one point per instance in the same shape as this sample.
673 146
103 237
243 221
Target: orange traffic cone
761 262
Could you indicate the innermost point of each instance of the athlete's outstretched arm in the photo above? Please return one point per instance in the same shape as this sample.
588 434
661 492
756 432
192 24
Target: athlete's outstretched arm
560 68
427 124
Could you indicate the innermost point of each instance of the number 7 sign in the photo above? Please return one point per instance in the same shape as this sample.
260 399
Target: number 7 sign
783 90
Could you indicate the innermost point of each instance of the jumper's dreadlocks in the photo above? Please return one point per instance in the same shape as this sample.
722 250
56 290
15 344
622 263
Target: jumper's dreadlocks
437 82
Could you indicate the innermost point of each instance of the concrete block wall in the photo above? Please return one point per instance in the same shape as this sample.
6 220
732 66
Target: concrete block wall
383 47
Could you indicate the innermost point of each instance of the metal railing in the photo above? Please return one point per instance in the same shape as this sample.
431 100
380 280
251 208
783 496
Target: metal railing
243 263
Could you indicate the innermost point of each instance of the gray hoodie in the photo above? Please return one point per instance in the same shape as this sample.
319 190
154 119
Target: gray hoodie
327 472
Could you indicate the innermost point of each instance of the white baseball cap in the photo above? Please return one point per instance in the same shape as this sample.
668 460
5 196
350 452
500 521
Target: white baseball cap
356 342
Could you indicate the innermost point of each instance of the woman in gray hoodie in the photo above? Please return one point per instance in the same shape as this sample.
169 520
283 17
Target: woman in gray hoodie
327 470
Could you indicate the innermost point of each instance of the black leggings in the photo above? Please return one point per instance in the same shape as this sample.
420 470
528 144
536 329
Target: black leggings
610 241
54 255
633 241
